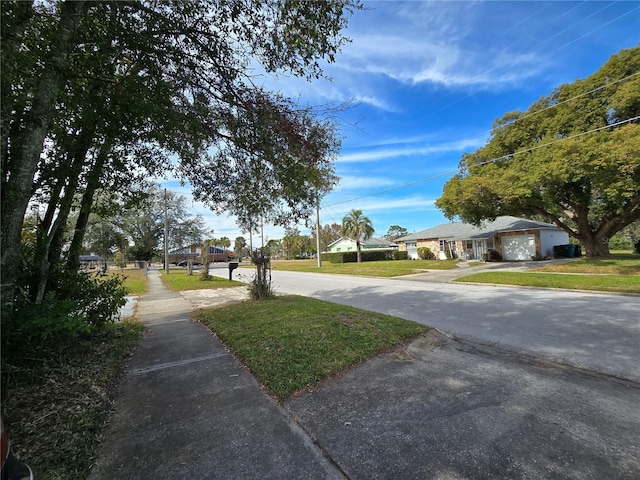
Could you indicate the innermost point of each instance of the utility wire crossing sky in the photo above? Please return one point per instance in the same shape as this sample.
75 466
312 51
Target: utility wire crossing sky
426 81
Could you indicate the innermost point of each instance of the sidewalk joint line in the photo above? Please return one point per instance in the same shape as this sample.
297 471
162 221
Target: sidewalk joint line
162 366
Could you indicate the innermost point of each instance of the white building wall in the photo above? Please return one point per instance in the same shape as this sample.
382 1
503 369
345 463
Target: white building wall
550 238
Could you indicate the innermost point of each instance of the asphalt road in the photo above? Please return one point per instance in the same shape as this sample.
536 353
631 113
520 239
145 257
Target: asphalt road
596 332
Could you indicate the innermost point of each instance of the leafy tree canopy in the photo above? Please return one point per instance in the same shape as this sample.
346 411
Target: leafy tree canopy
100 95
395 231
143 224
573 158
329 233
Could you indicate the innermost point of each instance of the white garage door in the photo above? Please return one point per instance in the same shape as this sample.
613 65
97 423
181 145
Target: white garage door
518 247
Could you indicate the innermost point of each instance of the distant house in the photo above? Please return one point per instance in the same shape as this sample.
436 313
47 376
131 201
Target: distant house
512 237
349 245
194 252
92 261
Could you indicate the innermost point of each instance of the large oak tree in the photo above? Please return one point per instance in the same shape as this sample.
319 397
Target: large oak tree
573 158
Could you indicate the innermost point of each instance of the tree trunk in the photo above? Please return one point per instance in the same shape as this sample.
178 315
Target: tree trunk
595 245
93 183
26 150
359 254
50 245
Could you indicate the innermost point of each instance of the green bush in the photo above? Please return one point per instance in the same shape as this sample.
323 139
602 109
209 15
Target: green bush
351 257
76 303
400 255
425 253
375 255
618 242
340 257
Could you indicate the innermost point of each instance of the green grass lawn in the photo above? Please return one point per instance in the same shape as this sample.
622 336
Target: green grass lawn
383 268
179 279
134 279
616 264
601 283
294 342
618 273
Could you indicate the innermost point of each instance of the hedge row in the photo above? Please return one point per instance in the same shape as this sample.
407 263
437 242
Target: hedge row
367 256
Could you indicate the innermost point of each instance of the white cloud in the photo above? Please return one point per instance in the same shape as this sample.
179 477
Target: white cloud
409 151
372 206
351 182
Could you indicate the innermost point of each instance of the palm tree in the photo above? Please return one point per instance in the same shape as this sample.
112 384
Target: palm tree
356 227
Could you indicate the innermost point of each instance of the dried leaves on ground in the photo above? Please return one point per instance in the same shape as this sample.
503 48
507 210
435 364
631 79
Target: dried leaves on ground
55 397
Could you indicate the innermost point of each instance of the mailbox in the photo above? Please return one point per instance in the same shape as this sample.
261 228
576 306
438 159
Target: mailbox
232 266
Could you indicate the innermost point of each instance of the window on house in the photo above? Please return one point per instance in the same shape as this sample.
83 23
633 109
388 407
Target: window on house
442 245
469 244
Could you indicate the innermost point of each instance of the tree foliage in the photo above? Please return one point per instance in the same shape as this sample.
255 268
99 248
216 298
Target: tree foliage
143 224
395 231
239 247
329 233
294 244
573 158
101 95
357 227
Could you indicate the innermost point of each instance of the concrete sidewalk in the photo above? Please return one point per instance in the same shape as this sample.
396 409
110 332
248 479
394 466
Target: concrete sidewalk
186 409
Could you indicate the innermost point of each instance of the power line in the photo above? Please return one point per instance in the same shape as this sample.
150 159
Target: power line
433 177
504 157
536 47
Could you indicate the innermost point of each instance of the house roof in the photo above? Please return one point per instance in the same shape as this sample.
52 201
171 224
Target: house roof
466 231
91 258
370 241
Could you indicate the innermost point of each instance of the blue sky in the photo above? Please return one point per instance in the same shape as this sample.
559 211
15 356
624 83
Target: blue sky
427 80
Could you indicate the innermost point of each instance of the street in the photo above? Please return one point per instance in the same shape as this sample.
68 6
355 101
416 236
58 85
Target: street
594 331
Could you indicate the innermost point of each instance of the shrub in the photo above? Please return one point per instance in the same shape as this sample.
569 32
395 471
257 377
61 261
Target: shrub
618 242
77 302
260 287
425 253
340 257
494 256
400 255
375 255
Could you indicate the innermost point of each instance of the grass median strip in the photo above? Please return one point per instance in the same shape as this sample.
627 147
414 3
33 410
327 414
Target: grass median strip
616 264
291 343
179 279
382 268
602 283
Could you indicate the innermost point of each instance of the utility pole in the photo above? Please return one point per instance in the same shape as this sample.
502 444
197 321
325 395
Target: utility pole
318 232
166 236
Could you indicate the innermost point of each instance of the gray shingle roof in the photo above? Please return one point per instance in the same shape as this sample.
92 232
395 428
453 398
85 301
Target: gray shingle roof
465 231
372 241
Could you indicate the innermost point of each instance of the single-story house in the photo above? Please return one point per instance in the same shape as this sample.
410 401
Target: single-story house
92 261
194 252
349 245
512 237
